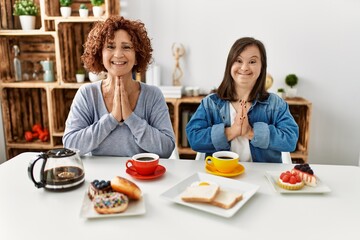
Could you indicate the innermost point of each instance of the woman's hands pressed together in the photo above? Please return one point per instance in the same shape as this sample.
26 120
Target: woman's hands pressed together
121 108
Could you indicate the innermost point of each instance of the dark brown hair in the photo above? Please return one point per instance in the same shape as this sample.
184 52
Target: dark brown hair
104 31
227 86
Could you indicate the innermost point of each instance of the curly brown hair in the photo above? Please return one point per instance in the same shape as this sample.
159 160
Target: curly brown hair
227 86
104 31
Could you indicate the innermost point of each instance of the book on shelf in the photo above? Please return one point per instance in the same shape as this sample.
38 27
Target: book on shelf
185 118
171 91
184 121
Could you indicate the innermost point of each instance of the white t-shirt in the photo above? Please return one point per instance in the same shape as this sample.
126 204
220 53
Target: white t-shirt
240 145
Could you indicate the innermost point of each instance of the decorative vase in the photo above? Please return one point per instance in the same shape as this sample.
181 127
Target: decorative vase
65 11
80 78
93 77
27 22
97 11
291 92
281 94
83 13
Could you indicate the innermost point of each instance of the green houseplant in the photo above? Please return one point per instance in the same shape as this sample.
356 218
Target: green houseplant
281 92
97 7
25 7
27 11
65 8
80 75
65 3
83 10
291 80
97 2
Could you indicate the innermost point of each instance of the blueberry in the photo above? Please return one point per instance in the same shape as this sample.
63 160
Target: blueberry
310 171
95 181
297 167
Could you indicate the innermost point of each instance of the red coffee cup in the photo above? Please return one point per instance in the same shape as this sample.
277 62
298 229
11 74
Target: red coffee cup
143 163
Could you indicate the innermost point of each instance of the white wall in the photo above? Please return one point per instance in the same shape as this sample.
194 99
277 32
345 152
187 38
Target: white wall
317 40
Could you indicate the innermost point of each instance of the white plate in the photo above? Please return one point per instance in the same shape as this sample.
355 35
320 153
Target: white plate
134 208
272 176
246 189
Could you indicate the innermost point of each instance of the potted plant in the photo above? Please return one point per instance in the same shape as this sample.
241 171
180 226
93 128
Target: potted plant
27 11
83 11
65 8
80 75
281 92
291 80
97 7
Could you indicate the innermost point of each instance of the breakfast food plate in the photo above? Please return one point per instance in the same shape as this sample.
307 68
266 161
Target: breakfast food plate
136 207
273 176
246 189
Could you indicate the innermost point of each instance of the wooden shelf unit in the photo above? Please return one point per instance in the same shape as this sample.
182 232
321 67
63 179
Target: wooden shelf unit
300 108
176 106
27 102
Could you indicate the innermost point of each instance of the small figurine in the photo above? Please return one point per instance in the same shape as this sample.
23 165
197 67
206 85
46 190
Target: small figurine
178 51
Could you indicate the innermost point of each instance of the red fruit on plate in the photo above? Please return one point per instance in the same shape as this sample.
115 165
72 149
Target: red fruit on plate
286 178
292 180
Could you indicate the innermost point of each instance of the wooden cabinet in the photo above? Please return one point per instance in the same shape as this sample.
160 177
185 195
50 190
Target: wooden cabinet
176 108
30 101
300 108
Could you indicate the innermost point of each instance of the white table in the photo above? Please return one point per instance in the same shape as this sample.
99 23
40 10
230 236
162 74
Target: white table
26 211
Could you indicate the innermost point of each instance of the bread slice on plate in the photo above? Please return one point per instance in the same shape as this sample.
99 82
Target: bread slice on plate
204 194
226 199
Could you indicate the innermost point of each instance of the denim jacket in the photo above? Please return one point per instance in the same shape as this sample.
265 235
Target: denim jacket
275 129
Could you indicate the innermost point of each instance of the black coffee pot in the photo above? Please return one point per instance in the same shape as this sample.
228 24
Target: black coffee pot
61 169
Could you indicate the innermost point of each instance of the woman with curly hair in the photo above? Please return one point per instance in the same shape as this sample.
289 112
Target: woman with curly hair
242 116
119 116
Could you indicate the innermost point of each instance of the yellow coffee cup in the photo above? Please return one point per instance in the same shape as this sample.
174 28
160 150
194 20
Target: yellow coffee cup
223 161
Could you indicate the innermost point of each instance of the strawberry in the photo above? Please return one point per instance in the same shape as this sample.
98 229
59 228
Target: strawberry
286 178
292 180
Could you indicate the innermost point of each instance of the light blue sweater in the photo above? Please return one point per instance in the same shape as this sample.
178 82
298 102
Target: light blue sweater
92 129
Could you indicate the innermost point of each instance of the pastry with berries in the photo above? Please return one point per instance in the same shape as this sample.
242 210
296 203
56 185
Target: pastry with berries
108 203
290 181
99 187
306 174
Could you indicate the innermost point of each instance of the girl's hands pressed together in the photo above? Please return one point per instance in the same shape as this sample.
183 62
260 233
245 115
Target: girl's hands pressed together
245 129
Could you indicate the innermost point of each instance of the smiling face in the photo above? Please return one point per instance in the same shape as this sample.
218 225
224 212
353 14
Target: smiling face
247 68
118 55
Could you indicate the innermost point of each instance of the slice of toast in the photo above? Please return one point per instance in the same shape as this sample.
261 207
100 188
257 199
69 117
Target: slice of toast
205 194
226 199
